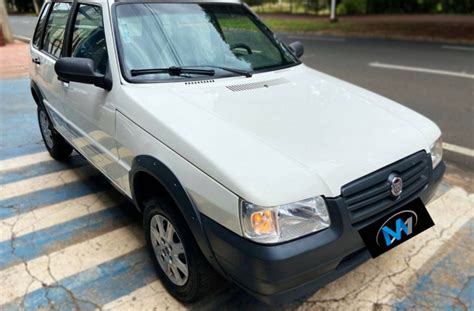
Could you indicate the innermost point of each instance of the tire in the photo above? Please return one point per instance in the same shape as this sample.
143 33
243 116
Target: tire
57 146
201 278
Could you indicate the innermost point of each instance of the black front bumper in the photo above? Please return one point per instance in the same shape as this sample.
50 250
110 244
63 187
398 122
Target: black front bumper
278 274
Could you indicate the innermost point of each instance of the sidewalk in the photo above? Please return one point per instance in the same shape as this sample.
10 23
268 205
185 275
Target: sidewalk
14 60
458 29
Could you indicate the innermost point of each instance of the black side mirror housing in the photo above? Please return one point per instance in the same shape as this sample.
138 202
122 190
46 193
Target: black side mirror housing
81 70
297 48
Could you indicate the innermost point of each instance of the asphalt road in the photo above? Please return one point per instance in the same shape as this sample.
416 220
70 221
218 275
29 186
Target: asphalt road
23 25
433 79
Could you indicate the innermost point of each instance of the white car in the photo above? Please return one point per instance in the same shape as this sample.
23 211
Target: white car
243 160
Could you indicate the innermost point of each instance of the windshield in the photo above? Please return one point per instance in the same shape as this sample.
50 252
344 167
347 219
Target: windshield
192 35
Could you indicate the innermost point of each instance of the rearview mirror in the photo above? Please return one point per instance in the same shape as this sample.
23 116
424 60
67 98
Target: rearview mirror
81 70
297 48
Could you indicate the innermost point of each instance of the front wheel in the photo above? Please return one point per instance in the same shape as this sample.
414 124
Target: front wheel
57 147
180 264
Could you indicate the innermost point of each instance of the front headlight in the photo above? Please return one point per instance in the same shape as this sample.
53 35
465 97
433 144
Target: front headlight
436 151
284 222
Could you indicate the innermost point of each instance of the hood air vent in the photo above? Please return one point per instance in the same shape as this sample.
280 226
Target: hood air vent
199 82
256 85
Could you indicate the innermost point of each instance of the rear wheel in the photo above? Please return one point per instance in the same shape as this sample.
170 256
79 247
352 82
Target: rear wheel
57 147
180 264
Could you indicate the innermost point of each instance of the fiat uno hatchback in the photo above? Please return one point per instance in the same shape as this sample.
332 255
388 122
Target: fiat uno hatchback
245 163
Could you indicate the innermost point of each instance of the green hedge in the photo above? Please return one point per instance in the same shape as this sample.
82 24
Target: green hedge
382 6
352 7
421 6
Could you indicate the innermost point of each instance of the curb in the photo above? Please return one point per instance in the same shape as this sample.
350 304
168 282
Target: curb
22 39
319 34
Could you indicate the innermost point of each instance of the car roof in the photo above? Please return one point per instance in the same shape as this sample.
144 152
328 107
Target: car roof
176 1
157 1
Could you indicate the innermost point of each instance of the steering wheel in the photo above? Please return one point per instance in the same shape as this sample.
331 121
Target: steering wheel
241 46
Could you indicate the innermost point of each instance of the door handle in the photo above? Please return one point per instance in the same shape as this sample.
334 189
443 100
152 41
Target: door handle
36 60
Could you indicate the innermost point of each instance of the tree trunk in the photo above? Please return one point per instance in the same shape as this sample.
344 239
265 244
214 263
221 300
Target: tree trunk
37 6
4 23
332 15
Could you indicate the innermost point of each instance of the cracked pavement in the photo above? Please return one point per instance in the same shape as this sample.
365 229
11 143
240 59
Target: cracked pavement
69 241
406 277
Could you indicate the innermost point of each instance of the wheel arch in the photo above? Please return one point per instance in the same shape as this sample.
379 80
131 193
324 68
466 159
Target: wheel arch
146 169
36 93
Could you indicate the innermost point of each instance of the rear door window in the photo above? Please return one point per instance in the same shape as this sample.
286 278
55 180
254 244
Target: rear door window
40 26
55 28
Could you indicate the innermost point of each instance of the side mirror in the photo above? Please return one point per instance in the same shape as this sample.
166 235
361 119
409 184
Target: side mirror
81 70
297 48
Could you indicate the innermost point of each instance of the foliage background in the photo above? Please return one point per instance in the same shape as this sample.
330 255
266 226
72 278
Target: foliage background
321 7
354 7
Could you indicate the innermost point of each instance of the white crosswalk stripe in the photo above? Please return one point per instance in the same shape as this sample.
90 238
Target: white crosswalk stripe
22 279
18 162
152 297
55 265
51 215
38 183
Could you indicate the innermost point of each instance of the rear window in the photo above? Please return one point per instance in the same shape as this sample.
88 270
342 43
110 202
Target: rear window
55 27
40 26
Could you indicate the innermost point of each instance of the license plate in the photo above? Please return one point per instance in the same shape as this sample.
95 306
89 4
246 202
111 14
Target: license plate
396 228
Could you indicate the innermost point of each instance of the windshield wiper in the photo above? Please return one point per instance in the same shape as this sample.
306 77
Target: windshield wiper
241 72
172 71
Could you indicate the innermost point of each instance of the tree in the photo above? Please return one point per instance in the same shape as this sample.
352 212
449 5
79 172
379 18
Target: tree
4 23
37 6
333 11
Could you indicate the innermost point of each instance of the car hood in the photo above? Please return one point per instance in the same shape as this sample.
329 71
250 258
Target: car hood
299 132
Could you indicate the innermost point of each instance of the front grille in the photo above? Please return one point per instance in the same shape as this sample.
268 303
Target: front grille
369 197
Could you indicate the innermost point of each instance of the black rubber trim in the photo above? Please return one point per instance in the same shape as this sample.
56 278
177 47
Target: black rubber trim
69 29
436 178
72 2
278 274
168 180
36 89
45 9
271 272
438 172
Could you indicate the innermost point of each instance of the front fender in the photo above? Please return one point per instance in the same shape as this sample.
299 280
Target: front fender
162 174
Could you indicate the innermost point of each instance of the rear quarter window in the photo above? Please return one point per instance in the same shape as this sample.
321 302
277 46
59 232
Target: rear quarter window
40 26
55 28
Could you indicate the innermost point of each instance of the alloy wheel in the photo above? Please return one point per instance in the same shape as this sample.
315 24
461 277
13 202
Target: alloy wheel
45 126
169 250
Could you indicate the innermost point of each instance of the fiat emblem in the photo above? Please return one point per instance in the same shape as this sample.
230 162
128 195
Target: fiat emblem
396 184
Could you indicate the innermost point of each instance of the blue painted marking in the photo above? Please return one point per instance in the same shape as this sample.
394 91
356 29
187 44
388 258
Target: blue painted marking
40 169
93 287
447 285
467 293
27 202
18 121
44 241
40 242
18 151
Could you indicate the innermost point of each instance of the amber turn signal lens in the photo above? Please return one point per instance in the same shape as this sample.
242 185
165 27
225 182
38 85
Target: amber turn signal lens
263 222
